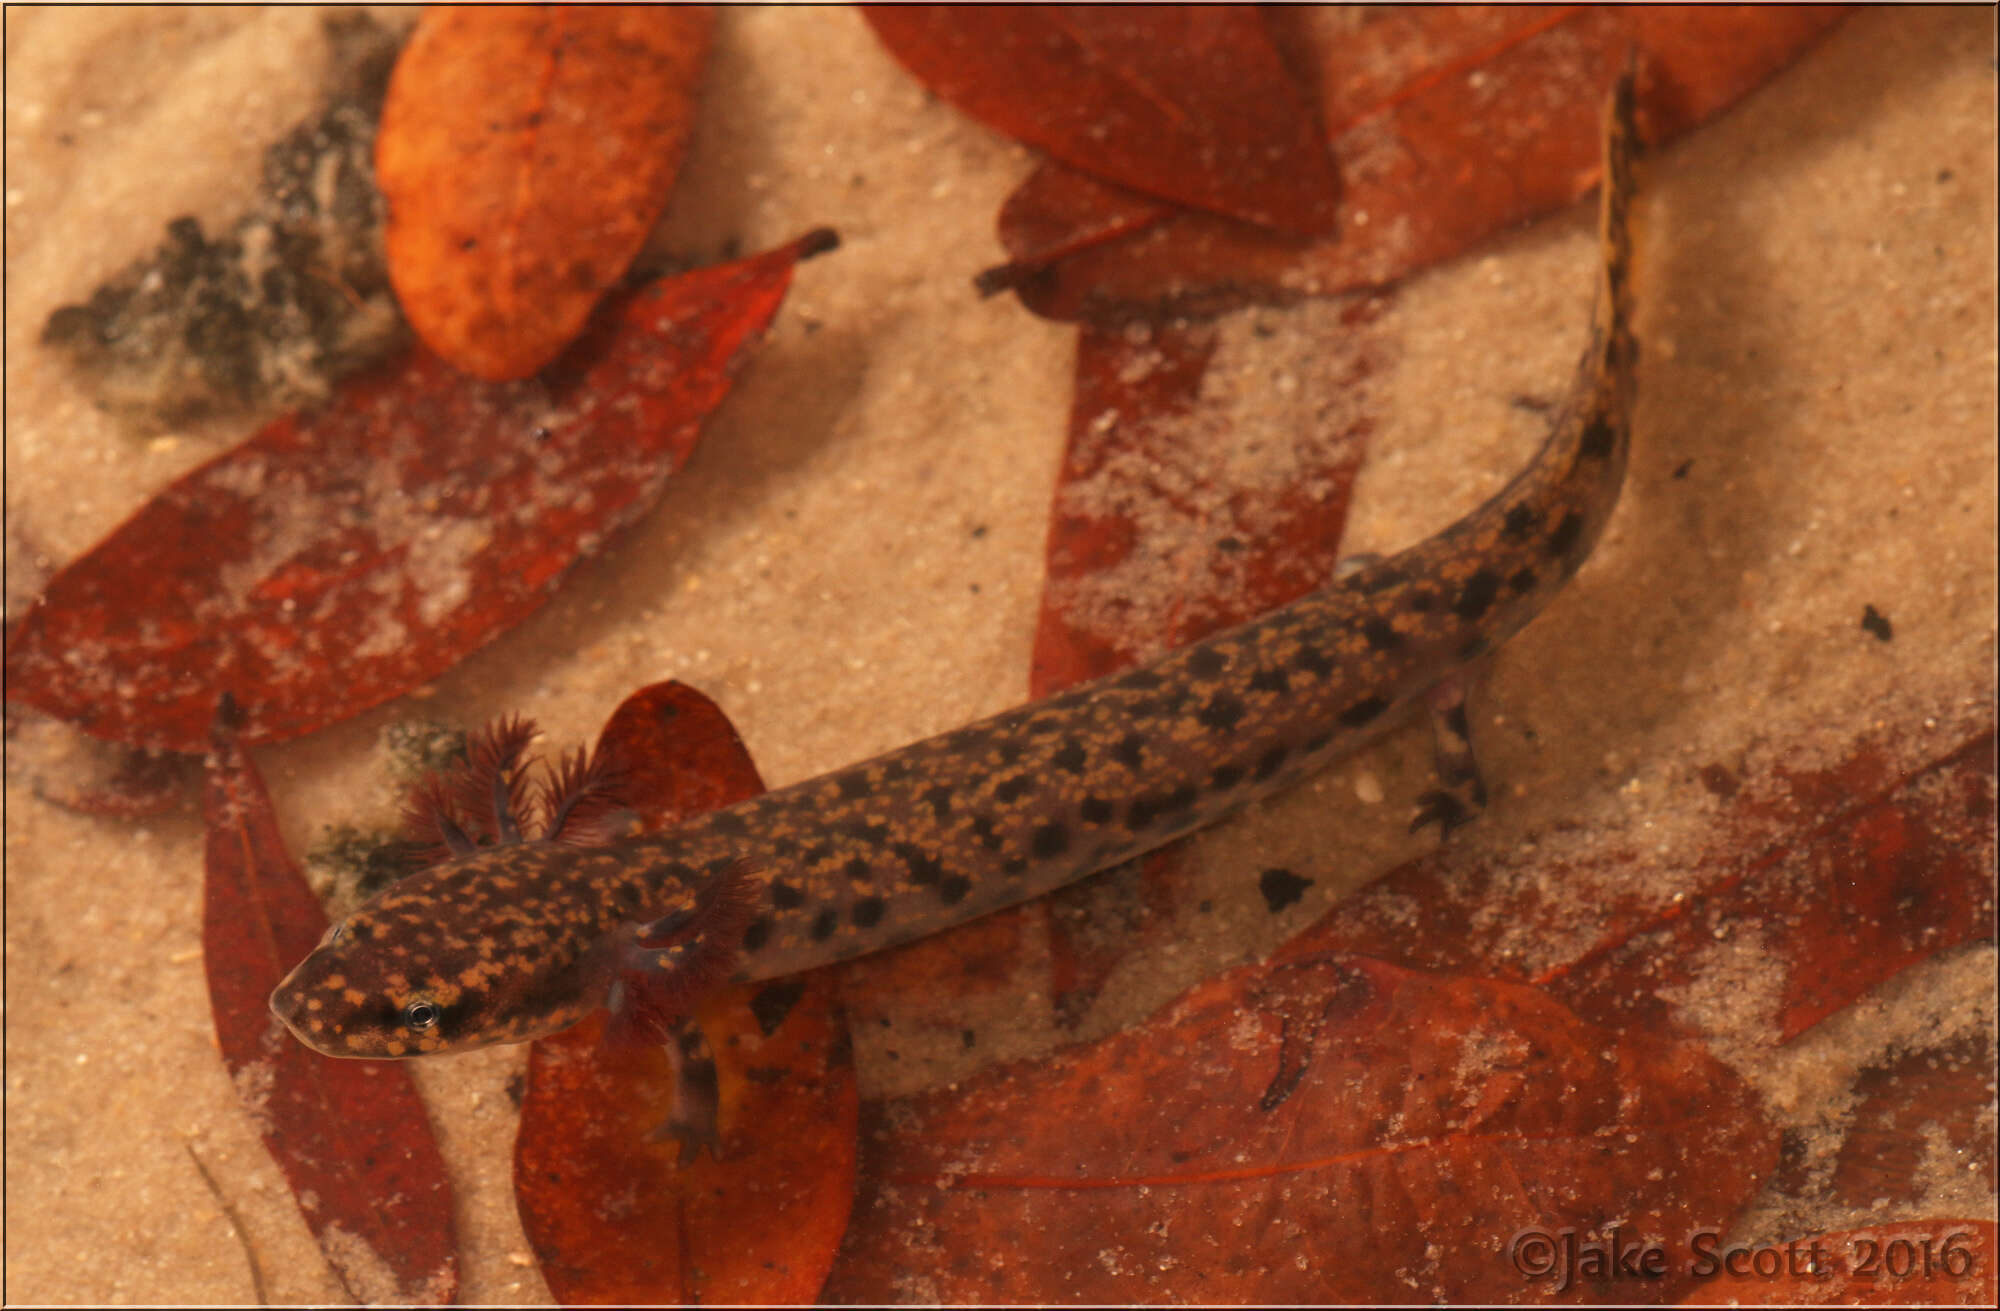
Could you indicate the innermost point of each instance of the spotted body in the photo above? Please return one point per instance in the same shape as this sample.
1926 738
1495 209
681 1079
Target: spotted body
516 941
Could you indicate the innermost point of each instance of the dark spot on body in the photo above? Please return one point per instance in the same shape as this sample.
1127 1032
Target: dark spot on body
1877 623
1523 580
1140 680
1013 789
757 935
1271 762
1476 597
819 853
728 821
1363 711
1518 524
1049 841
1381 634
857 869
1473 648
773 1002
1095 810
1222 713
854 785
824 924
1319 741
1454 720
1681 469
867 912
1010 752
785 896
1071 757
1421 600
1014 865
1270 680
1206 662
1312 662
1566 534
939 798
866 831
1281 888
1225 777
924 867
953 890
1130 751
982 828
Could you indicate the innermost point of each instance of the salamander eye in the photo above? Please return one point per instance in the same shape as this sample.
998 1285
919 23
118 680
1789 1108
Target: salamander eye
421 1015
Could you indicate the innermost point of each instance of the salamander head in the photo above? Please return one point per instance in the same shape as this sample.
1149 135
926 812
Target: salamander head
491 948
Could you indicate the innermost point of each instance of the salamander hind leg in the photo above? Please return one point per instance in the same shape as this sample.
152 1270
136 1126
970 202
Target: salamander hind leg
1460 797
696 1095
660 972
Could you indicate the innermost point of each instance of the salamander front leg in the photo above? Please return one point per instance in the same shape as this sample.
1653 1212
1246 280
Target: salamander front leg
1461 795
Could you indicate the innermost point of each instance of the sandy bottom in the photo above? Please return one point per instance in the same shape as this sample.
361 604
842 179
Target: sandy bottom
853 559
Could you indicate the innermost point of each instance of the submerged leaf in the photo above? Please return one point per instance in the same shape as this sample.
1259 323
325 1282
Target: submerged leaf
342 557
350 1137
525 153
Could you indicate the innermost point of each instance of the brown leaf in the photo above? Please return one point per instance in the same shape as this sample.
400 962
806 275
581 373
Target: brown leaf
1338 1130
350 1137
525 154
342 557
1190 103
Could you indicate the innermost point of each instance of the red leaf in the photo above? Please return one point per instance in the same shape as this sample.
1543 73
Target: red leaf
1334 1131
351 1137
525 153
1445 124
1924 1104
610 1214
1175 518
341 558
677 755
1190 103
1839 907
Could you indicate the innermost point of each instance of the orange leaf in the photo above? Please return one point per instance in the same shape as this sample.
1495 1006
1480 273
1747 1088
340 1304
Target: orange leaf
611 1215
525 154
